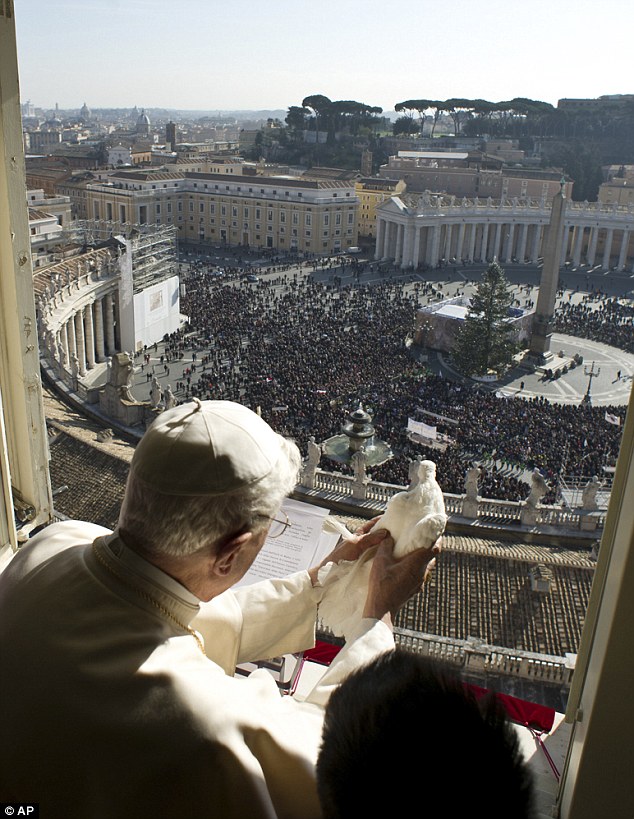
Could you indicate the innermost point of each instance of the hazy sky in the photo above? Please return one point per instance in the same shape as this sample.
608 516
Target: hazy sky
206 54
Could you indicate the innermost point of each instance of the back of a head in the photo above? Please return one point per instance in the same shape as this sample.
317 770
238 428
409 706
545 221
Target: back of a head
404 732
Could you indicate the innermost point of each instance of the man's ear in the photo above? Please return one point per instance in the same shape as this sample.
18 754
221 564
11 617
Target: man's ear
228 553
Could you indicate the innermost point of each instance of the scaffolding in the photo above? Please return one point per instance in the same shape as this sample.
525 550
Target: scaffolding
153 247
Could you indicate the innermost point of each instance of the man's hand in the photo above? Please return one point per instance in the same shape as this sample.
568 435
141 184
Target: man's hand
393 582
351 548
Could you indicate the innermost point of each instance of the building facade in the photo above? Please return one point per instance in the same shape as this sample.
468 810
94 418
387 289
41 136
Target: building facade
285 213
618 189
465 174
425 230
371 192
120 295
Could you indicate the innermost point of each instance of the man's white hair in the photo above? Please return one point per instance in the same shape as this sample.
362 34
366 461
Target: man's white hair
161 524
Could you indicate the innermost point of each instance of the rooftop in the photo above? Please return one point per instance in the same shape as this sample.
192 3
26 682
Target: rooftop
481 588
451 155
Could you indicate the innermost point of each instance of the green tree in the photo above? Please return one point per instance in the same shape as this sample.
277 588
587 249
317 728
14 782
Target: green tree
322 108
581 161
459 110
404 125
485 340
422 107
296 118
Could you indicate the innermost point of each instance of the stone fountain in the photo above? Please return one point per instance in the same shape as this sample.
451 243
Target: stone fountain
357 434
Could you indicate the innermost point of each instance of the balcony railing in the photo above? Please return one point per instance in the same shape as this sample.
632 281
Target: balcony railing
332 486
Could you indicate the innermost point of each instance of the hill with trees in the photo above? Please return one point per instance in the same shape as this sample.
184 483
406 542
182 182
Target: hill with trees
334 133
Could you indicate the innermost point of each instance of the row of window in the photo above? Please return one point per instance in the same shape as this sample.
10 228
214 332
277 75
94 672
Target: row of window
246 226
294 242
294 217
270 214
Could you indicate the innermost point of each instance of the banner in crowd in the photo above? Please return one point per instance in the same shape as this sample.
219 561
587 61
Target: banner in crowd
436 415
421 428
613 419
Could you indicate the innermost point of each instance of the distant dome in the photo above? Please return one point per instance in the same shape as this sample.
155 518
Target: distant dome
143 123
85 111
55 122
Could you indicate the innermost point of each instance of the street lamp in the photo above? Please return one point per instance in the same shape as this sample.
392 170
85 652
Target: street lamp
587 399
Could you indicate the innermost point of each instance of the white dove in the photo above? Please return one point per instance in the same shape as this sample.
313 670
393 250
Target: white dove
415 519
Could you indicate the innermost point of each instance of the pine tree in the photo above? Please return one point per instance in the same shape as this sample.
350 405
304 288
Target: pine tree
485 340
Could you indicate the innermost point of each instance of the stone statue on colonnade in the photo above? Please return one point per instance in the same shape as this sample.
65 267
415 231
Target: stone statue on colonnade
312 462
116 399
169 399
589 495
470 500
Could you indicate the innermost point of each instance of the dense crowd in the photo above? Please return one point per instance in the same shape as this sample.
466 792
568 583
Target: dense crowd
607 320
307 353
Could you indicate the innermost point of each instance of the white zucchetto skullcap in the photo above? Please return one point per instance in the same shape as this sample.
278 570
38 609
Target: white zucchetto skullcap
206 448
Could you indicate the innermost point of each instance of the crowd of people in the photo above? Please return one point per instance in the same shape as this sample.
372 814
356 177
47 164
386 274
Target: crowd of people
599 319
306 353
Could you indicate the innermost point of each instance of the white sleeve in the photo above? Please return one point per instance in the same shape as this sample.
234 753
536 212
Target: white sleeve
370 638
278 617
256 622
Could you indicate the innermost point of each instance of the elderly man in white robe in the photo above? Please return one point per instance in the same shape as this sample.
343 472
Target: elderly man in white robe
119 649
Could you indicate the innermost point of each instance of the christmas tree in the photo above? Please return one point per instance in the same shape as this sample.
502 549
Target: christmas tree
485 341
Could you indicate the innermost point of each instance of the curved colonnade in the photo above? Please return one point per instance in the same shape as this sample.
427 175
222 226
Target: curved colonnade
413 231
77 303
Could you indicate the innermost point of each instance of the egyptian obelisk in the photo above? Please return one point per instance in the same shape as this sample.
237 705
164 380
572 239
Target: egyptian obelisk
542 330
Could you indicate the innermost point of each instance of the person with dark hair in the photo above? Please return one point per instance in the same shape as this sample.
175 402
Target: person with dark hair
403 730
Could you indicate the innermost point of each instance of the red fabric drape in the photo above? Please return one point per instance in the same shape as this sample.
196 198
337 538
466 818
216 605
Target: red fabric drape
525 713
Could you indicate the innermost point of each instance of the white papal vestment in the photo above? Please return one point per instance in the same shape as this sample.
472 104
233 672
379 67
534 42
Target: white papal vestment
110 709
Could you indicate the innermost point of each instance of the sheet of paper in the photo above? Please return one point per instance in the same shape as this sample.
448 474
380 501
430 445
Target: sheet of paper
301 546
310 675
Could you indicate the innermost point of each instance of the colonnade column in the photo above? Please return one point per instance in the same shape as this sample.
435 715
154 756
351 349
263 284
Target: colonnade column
386 240
537 243
472 241
391 250
398 254
592 247
435 246
89 330
508 248
59 348
416 258
99 339
459 253
65 358
380 238
110 345
72 340
625 241
408 245
607 249
484 242
385 250
521 250
80 341
496 241
448 238
577 245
